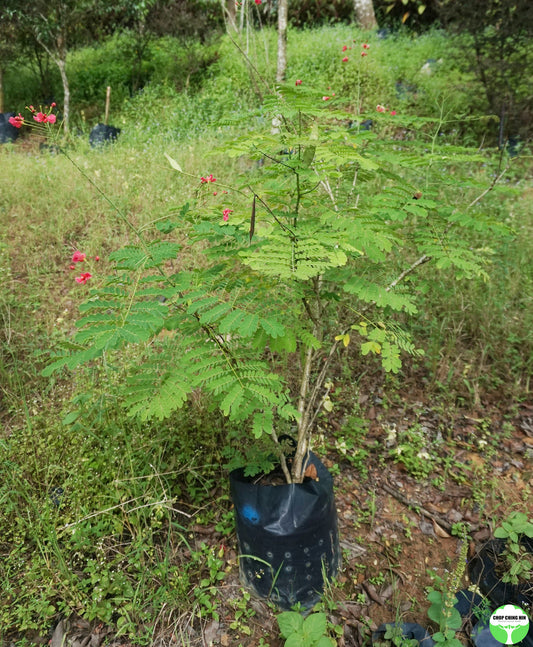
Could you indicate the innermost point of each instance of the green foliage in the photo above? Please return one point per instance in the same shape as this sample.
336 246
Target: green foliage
518 560
500 32
394 635
305 238
442 600
308 632
102 533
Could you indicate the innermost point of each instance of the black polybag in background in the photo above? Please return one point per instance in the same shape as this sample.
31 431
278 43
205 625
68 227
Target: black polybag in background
288 536
103 134
8 133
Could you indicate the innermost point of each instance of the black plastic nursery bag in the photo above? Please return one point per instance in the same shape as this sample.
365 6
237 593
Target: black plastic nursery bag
103 134
8 133
288 537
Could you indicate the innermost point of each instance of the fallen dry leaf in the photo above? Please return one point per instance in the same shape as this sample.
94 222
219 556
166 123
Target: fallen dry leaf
439 531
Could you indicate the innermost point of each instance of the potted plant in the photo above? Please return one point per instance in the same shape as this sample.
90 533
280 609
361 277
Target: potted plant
503 567
259 288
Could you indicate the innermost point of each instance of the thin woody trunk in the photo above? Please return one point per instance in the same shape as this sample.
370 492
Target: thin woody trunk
66 94
230 15
364 14
283 11
298 464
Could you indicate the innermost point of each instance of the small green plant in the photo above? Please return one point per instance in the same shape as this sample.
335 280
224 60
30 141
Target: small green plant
243 613
442 598
311 632
206 593
394 634
518 561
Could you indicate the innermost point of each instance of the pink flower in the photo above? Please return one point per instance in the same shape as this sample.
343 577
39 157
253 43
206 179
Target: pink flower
364 54
16 121
298 82
381 108
326 98
258 2
53 104
40 117
78 257
209 178
225 214
345 59
72 267
83 278
51 119
393 112
344 48
366 45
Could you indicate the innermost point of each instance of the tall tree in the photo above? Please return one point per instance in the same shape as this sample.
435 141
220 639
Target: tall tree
283 11
364 14
56 26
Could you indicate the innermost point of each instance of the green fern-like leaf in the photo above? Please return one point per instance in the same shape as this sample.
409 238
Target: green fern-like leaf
135 257
372 293
156 398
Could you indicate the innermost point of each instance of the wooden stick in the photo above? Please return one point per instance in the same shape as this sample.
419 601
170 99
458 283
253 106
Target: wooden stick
107 101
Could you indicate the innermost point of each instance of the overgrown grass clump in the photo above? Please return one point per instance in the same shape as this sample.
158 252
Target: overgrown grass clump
92 502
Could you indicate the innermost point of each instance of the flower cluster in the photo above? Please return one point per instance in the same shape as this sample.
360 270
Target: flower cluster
38 116
381 108
225 214
209 178
81 257
17 121
345 48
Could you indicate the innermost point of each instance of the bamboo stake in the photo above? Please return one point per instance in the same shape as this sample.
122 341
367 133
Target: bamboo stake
107 101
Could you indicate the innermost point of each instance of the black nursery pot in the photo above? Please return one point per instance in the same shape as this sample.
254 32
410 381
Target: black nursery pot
288 536
8 133
482 570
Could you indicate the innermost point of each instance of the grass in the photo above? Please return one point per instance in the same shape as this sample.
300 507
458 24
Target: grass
94 506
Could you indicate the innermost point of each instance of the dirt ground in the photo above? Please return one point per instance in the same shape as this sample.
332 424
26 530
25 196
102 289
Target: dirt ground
395 529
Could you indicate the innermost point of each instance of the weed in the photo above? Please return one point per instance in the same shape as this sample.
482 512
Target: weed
311 632
442 600
518 561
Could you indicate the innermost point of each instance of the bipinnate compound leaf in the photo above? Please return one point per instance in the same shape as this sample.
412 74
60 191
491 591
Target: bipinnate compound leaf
272 327
135 257
148 399
390 357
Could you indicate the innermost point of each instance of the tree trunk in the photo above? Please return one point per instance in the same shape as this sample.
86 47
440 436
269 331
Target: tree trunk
283 11
230 15
66 93
364 14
